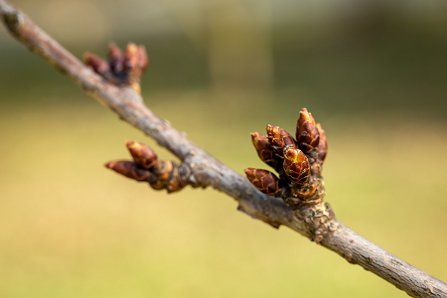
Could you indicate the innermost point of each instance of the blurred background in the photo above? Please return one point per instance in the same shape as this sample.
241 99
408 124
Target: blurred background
372 72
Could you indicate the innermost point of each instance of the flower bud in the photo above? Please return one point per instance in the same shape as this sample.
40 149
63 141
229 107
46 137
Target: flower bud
279 138
142 154
322 145
98 64
263 180
135 62
129 169
296 165
116 60
307 133
265 150
174 182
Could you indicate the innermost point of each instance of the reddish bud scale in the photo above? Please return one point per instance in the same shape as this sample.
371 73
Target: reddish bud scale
167 176
131 57
279 138
135 61
98 64
128 169
263 180
142 154
121 69
174 182
296 166
116 60
307 134
322 145
265 150
143 59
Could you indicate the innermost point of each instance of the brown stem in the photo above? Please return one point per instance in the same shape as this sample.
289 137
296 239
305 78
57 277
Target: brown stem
207 171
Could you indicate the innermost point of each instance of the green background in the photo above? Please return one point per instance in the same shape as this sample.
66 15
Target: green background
372 73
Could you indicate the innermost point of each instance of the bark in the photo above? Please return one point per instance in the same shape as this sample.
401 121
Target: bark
207 171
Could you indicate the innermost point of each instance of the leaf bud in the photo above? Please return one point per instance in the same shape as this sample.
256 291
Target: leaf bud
265 150
307 134
263 180
99 65
129 169
142 154
322 145
279 138
116 60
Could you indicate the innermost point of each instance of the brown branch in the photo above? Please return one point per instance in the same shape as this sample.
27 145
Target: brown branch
207 171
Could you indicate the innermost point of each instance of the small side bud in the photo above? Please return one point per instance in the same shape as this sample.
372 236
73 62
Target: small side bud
174 182
129 169
265 150
307 134
143 59
99 65
279 138
116 59
322 145
263 180
135 62
142 154
296 165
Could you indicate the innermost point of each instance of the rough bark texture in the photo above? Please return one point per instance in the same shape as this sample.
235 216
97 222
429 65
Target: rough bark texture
207 171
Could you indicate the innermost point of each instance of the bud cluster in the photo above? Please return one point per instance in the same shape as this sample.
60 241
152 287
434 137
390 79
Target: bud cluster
121 69
146 166
298 162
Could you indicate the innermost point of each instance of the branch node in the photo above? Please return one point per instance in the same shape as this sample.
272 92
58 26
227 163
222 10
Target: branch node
146 167
123 69
298 163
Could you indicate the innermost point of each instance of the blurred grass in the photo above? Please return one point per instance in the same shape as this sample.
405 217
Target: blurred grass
70 228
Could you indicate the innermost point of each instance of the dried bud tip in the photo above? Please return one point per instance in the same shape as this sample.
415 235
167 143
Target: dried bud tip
258 140
305 115
142 154
128 169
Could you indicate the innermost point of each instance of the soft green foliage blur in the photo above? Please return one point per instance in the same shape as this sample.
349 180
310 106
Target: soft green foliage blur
372 74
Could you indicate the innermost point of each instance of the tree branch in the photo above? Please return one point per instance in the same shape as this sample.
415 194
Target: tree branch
207 171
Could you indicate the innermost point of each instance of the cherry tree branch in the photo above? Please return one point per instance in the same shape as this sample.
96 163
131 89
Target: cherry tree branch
206 171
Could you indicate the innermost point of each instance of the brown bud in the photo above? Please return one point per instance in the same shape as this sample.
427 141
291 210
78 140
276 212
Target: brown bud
164 169
143 59
263 180
322 145
116 60
142 154
174 182
98 64
307 133
265 150
131 56
296 165
135 62
129 169
279 138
